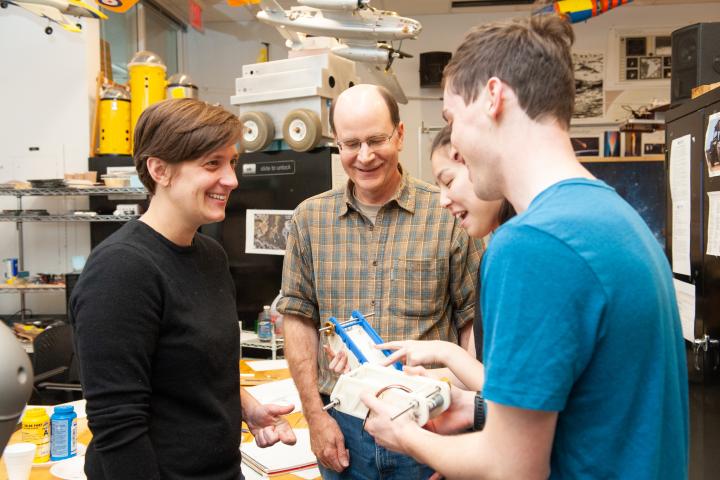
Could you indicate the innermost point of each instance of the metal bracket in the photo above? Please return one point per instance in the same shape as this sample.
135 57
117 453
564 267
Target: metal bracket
705 344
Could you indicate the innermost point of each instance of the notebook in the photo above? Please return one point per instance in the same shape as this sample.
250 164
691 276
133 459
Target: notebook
280 458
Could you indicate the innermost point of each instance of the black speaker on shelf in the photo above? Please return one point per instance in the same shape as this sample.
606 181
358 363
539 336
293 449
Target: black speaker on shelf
695 59
432 65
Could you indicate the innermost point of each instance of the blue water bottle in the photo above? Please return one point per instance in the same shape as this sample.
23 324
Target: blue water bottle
264 329
63 433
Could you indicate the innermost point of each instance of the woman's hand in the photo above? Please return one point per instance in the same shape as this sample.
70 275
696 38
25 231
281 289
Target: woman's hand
418 352
268 426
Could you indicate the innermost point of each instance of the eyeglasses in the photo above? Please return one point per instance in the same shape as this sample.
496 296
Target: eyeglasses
373 143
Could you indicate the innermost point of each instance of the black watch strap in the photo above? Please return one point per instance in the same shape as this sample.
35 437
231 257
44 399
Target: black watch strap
479 419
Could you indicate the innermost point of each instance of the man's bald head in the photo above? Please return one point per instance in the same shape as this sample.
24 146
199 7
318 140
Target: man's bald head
365 93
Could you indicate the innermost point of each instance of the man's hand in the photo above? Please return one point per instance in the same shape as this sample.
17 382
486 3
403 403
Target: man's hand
339 363
268 426
328 443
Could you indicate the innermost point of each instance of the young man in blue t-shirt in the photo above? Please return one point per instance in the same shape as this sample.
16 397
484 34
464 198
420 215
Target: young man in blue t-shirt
585 373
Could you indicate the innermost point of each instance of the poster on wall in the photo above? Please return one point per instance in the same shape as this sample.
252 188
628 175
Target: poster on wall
266 231
712 145
586 146
588 85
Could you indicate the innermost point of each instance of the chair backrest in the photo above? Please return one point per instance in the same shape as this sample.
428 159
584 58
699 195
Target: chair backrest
53 348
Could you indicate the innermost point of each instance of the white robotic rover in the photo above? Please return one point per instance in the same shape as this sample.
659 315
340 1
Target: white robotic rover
290 100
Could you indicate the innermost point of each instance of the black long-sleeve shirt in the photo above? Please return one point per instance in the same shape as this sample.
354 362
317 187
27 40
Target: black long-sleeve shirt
156 334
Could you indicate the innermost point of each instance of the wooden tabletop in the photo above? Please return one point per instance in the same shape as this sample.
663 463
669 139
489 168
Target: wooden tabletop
296 420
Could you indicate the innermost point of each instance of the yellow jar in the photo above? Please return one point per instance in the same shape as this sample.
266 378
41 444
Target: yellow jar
36 429
114 122
147 84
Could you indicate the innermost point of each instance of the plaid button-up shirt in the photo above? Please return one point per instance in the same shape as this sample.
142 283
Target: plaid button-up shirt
415 269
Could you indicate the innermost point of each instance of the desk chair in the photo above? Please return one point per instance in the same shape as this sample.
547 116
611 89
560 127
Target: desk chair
56 371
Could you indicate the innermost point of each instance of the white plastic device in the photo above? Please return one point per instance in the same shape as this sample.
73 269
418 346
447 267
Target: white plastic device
426 397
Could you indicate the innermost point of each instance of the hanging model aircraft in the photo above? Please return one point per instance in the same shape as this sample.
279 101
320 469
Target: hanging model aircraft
53 10
365 32
117 6
580 10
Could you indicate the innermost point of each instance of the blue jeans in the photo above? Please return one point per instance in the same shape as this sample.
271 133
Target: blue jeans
369 461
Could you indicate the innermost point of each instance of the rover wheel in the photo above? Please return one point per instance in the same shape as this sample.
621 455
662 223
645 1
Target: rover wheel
258 130
302 130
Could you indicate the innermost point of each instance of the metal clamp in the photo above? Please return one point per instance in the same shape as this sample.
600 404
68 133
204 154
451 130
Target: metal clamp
706 343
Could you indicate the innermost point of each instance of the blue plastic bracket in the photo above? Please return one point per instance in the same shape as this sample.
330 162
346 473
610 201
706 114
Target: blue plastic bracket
359 319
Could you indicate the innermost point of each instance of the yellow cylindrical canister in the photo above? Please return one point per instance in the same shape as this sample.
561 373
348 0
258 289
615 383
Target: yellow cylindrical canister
147 84
114 122
181 85
36 429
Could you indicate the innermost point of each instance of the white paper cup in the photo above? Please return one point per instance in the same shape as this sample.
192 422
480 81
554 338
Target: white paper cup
18 460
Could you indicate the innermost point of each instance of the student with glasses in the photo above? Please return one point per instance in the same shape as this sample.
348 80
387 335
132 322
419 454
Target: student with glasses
381 244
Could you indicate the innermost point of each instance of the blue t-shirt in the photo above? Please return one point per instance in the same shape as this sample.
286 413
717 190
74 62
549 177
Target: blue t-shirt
580 318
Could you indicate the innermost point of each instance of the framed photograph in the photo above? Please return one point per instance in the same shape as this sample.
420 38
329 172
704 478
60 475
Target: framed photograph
632 60
589 96
266 231
712 145
663 45
651 68
636 46
586 146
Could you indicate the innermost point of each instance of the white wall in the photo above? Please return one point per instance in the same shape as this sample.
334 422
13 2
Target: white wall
216 57
47 90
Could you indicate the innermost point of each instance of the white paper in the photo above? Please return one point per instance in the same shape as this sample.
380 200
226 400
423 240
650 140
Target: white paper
282 392
680 195
264 365
713 225
251 474
281 456
309 474
685 293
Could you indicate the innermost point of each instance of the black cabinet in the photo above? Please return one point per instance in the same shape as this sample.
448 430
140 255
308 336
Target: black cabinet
692 118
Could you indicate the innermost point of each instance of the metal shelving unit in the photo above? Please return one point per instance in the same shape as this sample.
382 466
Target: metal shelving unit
67 218
69 192
56 192
249 339
53 287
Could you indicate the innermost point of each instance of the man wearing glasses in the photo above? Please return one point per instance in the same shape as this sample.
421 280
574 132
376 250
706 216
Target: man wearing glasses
383 245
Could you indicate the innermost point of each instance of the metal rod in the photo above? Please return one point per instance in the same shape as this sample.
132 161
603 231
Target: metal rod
351 319
332 404
21 257
413 405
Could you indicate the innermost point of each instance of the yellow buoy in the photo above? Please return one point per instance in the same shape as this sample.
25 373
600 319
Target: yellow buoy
147 83
114 122
181 85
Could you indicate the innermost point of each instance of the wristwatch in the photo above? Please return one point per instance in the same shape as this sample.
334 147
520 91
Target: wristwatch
479 419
